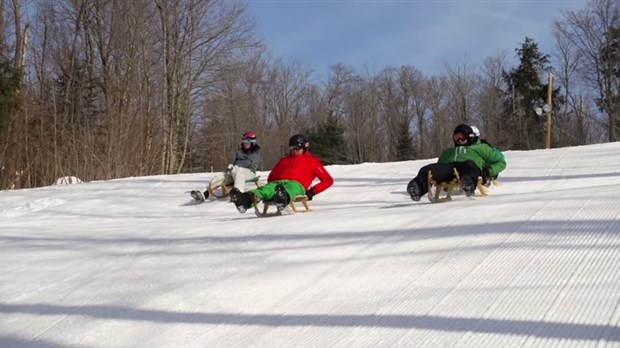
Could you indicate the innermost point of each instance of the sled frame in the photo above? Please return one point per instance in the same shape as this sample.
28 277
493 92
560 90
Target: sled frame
225 189
449 187
264 212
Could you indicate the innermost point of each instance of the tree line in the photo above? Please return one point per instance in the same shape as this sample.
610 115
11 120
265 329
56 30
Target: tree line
103 89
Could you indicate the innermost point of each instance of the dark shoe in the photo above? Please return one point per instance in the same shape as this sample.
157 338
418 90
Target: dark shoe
470 191
242 200
414 191
468 187
281 197
198 196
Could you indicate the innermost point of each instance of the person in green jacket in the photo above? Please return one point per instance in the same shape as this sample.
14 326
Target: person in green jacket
487 178
469 157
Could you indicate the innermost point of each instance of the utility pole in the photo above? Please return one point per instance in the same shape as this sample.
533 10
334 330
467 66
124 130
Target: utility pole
549 93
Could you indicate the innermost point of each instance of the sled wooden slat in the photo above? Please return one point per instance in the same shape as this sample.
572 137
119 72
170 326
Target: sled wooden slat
225 189
449 187
304 201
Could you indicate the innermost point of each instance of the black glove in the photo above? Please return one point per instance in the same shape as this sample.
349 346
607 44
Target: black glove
486 175
310 193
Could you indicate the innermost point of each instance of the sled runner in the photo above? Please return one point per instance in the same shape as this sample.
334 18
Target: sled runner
290 209
436 189
221 191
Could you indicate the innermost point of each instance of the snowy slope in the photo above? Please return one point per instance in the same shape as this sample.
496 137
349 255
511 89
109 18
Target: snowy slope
135 263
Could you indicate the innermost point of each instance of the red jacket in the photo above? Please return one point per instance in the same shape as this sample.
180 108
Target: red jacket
304 169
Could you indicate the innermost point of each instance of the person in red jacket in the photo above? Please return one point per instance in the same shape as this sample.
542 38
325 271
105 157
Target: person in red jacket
292 176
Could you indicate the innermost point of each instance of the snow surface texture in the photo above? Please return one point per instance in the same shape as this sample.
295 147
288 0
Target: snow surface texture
136 263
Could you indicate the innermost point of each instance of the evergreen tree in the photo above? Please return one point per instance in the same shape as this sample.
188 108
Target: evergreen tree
404 145
525 92
9 103
328 142
9 82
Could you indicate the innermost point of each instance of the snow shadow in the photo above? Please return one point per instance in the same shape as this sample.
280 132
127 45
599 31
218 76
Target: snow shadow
530 328
9 341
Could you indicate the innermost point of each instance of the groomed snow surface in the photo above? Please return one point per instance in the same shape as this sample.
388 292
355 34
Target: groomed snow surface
136 263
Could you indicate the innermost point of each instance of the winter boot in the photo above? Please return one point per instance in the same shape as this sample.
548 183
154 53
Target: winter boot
243 201
199 196
281 197
468 186
414 191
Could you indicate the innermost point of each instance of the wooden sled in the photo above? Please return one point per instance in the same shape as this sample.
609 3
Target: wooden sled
264 212
436 189
304 202
221 191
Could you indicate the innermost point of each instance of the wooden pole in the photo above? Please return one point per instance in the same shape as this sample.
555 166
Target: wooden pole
549 101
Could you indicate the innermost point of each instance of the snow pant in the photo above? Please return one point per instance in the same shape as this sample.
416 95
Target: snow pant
444 172
292 187
237 176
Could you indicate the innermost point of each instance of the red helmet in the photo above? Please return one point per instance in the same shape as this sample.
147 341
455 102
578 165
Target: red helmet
249 137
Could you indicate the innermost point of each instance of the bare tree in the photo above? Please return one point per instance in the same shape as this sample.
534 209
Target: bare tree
490 99
593 34
232 106
439 126
462 90
14 118
198 37
286 96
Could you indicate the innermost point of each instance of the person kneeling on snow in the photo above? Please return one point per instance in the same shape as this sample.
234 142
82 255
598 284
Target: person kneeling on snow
289 178
469 157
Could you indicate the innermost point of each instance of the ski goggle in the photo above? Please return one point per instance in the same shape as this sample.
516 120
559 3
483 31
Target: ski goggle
248 141
295 148
460 138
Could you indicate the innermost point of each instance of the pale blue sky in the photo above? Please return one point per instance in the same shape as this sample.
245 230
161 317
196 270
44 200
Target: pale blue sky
424 34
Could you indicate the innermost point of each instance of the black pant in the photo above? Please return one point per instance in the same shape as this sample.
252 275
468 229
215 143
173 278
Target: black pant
444 172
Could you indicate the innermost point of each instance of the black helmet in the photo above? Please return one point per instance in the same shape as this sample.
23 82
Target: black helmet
468 131
299 140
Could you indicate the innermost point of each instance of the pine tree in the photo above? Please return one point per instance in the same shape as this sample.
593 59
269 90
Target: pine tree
9 82
404 146
525 91
328 142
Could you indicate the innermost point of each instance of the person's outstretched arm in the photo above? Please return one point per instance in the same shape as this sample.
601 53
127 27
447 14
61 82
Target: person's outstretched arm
324 177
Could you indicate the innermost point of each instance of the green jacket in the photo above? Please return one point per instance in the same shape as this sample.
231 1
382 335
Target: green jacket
484 155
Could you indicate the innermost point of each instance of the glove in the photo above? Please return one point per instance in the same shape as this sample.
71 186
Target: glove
486 176
310 193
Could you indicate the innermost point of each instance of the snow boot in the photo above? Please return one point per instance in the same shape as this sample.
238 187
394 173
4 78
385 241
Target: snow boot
243 201
414 191
199 196
281 197
468 186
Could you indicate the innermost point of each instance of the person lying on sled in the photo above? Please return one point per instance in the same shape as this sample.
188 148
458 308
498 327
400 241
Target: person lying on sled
289 178
469 157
